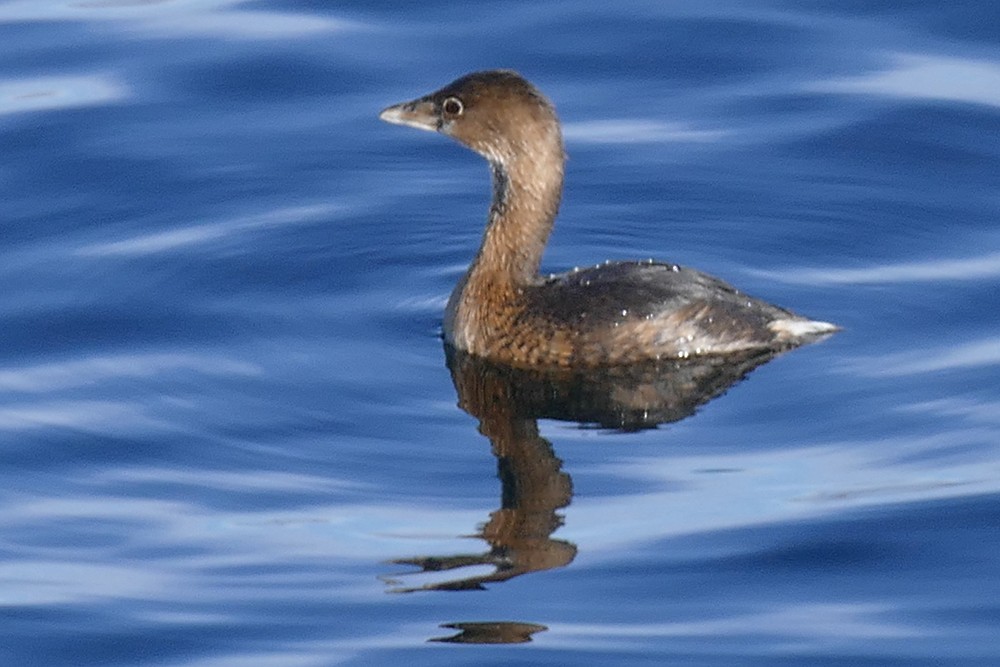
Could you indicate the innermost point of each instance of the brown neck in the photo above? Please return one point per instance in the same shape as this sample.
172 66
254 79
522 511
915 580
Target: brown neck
526 194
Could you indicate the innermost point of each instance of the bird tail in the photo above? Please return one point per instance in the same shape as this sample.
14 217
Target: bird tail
790 329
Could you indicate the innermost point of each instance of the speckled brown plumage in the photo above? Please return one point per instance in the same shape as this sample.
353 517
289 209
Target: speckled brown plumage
616 313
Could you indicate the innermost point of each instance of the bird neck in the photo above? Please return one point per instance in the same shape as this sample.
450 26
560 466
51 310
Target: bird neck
527 190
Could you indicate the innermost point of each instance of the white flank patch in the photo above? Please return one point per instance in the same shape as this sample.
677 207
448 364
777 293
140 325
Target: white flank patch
802 328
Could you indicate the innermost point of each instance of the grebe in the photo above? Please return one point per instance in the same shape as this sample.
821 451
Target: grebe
612 314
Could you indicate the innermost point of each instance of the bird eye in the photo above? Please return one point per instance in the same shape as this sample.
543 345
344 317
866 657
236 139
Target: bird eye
452 106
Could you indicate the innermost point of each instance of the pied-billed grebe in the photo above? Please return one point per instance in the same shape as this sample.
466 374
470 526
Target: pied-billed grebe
615 313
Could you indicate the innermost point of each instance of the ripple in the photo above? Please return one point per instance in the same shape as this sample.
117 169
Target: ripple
979 412
178 17
90 371
196 235
973 354
59 92
629 131
784 485
817 621
41 580
967 268
257 481
917 76
88 416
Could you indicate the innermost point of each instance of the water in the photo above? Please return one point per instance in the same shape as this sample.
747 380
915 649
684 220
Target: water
229 436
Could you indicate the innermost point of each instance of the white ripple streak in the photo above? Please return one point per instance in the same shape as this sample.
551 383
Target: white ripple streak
58 92
980 412
77 415
975 354
177 17
173 239
627 131
969 268
82 372
926 77
804 621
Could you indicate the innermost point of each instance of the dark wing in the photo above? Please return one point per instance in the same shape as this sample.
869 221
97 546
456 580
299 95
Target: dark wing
622 291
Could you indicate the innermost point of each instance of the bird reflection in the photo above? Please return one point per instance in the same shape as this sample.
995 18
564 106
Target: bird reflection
533 485
508 403
500 632
625 398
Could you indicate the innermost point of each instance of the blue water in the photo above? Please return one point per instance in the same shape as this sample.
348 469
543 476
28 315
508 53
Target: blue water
228 434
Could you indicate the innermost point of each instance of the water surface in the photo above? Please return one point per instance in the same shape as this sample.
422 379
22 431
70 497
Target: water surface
229 434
